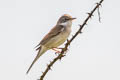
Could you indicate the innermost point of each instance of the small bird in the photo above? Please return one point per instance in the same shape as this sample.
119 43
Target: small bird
57 36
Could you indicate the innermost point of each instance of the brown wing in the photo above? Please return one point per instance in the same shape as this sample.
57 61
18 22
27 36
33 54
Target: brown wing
54 32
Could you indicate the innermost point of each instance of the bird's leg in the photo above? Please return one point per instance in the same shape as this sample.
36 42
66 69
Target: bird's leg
58 48
56 51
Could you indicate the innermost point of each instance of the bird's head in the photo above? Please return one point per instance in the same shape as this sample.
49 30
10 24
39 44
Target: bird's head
65 20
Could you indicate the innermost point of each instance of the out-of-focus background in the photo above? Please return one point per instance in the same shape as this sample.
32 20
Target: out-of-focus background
93 55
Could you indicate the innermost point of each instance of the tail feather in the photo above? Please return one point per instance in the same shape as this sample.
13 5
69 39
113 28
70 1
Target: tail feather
40 52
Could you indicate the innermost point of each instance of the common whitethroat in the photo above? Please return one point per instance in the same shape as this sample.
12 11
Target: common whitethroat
57 36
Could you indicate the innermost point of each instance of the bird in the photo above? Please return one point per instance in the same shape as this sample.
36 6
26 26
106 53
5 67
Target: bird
56 37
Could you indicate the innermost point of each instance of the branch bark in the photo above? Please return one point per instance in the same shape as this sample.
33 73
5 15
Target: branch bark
69 41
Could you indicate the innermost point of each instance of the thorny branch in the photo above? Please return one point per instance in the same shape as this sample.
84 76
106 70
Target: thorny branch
69 41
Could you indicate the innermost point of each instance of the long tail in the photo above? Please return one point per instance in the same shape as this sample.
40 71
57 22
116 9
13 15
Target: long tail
40 52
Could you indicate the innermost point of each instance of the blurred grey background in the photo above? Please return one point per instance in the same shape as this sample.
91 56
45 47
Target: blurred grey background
93 55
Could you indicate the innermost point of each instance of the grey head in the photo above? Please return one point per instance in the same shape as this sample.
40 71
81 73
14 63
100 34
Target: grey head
65 20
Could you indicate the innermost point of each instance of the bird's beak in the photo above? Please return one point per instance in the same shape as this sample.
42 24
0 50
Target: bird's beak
72 18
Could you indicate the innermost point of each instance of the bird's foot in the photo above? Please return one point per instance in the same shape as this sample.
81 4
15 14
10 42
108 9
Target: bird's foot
56 51
59 48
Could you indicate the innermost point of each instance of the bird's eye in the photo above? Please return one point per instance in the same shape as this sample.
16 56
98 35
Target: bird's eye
65 19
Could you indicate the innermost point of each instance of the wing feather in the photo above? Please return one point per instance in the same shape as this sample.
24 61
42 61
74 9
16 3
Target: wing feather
54 32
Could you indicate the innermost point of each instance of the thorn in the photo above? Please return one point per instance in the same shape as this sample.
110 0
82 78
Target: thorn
80 32
68 42
49 67
90 14
47 64
72 35
62 56
68 39
98 4
60 59
80 25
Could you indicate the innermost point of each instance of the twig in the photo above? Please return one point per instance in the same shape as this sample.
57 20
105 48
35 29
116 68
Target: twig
98 10
69 41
